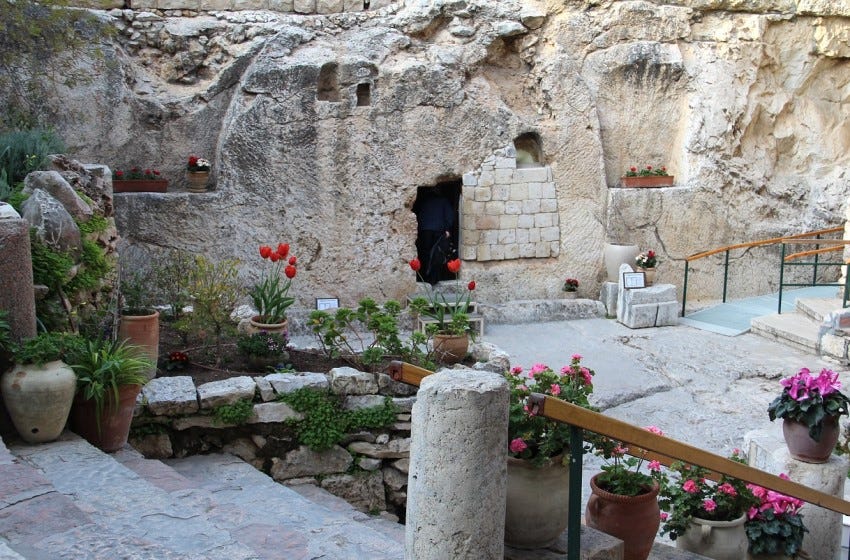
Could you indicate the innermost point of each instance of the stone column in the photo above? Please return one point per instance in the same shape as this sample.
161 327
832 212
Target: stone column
458 467
16 289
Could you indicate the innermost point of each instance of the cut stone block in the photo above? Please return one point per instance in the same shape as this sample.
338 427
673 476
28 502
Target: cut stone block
227 391
171 396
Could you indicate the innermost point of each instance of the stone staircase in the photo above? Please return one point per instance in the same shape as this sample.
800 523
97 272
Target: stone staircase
800 328
67 499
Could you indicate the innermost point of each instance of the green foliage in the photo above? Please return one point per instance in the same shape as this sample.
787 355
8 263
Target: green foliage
5 332
215 291
95 224
16 199
171 278
771 533
39 43
23 151
46 347
94 268
325 423
236 413
136 292
344 334
810 400
147 430
102 366
49 267
262 344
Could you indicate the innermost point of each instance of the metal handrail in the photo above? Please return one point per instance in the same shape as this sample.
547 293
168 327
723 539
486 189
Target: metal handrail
833 245
807 237
664 448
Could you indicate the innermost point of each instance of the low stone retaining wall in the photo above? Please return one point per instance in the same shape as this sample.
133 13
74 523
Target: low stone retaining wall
174 418
304 7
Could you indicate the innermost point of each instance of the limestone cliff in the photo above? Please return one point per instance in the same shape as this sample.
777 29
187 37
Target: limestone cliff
321 127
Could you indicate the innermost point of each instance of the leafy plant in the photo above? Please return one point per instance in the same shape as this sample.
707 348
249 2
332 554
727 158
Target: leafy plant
136 292
691 494
622 475
647 259
171 278
102 366
535 438
646 171
810 400
94 268
235 413
324 423
570 285
452 318
775 525
262 344
45 347
215 291
366 336
196 164
271 295
23 151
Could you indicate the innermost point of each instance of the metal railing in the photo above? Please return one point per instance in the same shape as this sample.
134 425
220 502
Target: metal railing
812 237
833 246
661 448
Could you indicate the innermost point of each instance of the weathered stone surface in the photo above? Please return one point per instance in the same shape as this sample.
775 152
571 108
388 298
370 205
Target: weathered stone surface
349 381
289 382
226 391
267 392
53 224
304 461
7 211
388 386
368 463
394 479
402 465
356 402
153 446
394 449
171 396
270 412
16 288
244 448
364 491
404 404
55 185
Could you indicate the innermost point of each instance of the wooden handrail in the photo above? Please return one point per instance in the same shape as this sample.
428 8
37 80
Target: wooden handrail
665 449
793 256
772 241
574 415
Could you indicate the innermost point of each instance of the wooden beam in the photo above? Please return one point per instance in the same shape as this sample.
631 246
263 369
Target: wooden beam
407 373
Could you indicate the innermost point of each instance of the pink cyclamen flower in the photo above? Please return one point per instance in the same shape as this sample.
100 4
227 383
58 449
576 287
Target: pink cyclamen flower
727 488
655 430
664 516
654 466
518 445
827 382
709 505
537 368
690 487
555 389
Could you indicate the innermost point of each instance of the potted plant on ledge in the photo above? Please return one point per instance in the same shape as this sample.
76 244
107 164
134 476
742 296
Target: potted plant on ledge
450 326
538 453
774 527
646 263
570 288
138 180
810 407
624 501
647 177
198 173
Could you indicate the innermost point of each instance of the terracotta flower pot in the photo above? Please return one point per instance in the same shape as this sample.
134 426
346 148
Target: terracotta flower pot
632 519
139 185
649 275
648 181
142 331
537 509
115 421
803 448
451 348
198 181
255 325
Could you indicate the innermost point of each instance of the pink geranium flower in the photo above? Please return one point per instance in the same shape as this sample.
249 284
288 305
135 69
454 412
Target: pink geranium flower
690 487
709 504
518 445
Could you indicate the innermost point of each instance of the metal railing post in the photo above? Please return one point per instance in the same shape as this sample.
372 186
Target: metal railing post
781 277
574 519
725 275
815 272
685 289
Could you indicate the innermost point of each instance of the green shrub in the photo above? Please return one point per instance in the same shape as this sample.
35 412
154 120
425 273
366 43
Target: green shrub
94 268
49 267
172 277
236 413
325 422
23 151
215 291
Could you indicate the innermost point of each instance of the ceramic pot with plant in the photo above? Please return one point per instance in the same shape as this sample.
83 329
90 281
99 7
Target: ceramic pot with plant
647 177
810 407
703 516
110 375
538 454
450 326
774 526
570 288
646 262
263 349
624 501
270 295
139 321
39 387
138 180
198 173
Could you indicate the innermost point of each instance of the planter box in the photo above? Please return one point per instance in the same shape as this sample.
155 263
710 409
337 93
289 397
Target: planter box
139 185
649 181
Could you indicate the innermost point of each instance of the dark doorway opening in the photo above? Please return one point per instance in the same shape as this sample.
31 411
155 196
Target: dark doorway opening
437 212
327 88
364 95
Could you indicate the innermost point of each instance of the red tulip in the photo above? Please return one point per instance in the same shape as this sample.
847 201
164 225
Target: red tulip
119 173
649 168
265 251
415 265
147 171
289 271
292 260
283 250
155 172
453 266
471 286
274 257
633 169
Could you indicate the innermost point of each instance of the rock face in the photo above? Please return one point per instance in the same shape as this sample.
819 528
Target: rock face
322 128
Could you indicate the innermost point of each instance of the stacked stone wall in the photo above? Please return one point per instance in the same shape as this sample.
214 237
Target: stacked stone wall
190 7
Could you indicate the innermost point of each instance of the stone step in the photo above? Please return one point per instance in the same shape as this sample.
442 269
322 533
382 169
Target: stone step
817 309
281 522
793 329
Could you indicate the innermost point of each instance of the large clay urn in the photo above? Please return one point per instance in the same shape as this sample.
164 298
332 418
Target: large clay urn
537 505
38 398
142 331
632 519
614 255
720 540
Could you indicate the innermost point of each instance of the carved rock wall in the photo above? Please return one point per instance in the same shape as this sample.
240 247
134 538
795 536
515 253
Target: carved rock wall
321 128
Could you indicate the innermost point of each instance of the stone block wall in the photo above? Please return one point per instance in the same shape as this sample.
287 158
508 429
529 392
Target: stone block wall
509 212
174 418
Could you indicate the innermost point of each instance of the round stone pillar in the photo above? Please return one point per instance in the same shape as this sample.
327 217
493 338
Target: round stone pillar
16 289
458 467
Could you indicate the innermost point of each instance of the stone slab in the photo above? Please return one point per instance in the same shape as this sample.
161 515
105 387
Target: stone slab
171 396
226 391
288 382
